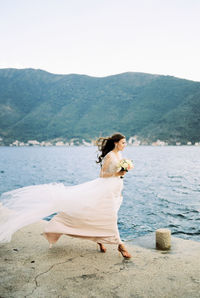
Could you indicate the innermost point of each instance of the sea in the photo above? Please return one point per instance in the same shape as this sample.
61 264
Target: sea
162 191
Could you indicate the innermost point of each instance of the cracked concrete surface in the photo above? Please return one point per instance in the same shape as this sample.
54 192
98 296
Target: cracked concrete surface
75 268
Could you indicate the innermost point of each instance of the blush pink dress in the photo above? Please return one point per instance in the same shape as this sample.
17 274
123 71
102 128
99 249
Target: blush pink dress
88 210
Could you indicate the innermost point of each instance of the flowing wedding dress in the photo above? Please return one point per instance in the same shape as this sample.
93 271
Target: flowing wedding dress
88 210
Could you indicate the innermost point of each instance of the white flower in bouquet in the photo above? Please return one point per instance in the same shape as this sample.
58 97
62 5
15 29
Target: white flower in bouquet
125 165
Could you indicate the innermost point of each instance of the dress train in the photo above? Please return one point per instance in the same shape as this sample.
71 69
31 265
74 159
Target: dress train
88 210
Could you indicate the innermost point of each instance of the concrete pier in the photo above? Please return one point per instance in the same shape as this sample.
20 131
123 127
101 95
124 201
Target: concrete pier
75 268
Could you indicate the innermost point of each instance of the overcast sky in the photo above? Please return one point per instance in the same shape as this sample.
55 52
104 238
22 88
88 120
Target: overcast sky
102 37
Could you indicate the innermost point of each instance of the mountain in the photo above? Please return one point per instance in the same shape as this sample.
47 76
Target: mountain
35 104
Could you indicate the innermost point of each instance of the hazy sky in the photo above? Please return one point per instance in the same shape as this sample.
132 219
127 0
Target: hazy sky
102 37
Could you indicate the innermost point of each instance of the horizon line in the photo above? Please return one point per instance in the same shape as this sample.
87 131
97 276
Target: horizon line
92 76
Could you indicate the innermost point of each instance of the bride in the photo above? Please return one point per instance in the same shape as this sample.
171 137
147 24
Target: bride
88 210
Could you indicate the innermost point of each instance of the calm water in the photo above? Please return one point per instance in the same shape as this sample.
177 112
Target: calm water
162 191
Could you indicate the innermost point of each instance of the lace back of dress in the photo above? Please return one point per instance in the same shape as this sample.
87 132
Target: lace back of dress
113 162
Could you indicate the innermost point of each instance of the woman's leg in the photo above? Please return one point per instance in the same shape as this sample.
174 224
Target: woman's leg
102 247
123 251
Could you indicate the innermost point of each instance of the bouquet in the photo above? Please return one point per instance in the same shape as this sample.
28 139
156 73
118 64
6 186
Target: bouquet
125 165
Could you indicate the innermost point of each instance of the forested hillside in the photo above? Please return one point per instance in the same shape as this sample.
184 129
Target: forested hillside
35 104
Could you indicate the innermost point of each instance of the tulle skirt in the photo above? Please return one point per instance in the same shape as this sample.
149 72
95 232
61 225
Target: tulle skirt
88 210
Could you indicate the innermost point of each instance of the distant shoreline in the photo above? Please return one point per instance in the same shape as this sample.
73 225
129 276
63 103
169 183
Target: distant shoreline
81 145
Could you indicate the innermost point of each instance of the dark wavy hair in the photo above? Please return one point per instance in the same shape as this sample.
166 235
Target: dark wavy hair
107 144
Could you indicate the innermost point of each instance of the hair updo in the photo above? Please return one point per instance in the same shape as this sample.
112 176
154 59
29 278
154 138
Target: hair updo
107 144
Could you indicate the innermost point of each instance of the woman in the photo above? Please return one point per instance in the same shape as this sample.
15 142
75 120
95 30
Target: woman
88 210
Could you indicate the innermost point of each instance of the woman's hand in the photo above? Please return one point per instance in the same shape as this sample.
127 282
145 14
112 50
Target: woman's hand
121 173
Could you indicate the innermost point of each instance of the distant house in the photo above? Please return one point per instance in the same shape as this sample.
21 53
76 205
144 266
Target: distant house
60 143
33 143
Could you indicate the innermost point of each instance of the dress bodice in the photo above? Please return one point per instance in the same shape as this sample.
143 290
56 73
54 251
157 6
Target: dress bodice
113 162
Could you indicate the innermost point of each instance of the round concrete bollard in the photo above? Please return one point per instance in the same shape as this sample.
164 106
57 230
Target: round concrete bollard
163 239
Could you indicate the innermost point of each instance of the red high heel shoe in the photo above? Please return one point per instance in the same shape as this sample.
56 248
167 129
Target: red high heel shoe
102 247
124 252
